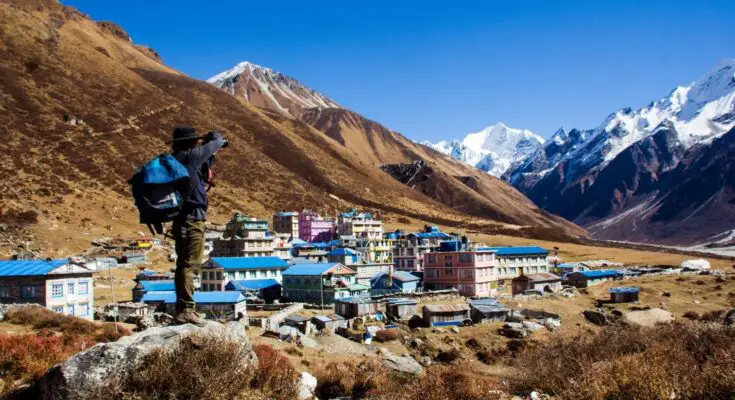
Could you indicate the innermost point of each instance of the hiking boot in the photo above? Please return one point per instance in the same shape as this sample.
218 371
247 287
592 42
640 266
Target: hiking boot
189 317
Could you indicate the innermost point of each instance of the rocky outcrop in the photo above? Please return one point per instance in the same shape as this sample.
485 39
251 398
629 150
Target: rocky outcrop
649 318
400 364
104 363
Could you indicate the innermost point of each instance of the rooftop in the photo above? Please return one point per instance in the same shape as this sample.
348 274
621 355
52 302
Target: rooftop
624 290
438 308
249 262
310 269
540 277
252 284
602 273
158 286
199 297
516 251
343 252
30 267
401 276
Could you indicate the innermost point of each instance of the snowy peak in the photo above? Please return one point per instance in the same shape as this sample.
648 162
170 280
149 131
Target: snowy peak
493 149
269 89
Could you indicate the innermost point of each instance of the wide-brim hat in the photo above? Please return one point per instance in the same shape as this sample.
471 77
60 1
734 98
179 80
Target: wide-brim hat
184 133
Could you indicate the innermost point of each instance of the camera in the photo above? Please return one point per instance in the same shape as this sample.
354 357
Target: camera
210 136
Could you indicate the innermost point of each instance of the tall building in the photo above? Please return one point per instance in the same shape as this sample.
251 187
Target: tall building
315 228
409 249
457 266
286 223
244 237
359 224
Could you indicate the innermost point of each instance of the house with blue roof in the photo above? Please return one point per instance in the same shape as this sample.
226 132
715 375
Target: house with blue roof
145 286
59 285
396 282
345 256
408 250
583 279
512 262
217 271
215 305
562 269
321 283
286 223
266 289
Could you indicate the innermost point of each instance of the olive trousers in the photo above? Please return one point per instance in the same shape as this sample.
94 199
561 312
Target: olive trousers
189 237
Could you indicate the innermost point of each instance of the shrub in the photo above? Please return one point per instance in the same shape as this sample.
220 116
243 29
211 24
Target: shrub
440 383
448 356
386 335
41 318
686 360
275 376
714 316
692 315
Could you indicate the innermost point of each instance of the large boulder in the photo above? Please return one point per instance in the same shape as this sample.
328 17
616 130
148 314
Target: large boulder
307 386
730 318
103 363
514 330
695 265
649 317
400 364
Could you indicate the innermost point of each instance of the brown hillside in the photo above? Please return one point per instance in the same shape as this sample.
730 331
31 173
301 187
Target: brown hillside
447 181
82 107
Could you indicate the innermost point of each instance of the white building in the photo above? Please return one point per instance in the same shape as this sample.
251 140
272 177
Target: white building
361 225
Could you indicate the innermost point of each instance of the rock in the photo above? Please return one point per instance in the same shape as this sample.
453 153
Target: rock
695 265
532 326
514 330
155 320
400 364
515 316
596 317
649 317
730 318
307 386
666 294
106 362
416 342
552 324
455 329
426 361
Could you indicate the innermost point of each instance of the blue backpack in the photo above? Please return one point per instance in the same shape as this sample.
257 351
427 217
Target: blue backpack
159 189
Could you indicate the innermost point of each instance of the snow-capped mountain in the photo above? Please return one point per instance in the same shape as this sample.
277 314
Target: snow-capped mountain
619 178
493 149
269 89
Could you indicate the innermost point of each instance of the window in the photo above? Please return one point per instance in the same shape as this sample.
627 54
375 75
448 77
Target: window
84 309
4 292
241 274
448 262
432 258
273 273
286 281
70 288
58 309
84 287
70 309
448 272
465 258
57 290
219 275
251 274
467 273
27 292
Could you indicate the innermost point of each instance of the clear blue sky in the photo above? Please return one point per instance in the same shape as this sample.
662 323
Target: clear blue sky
436 70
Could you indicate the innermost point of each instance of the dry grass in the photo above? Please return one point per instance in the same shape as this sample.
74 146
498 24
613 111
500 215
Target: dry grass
689 361
42 318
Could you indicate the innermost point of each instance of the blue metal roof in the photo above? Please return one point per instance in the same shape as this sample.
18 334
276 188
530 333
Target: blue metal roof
29 267
297 242
516 251
287 214
432 235
249 262
309 269
624 290
199 297
252 284
343 252
317 245
567 265
158 286
402 276
602 273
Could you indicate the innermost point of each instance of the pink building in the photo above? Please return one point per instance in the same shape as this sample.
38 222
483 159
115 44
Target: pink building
314 228
472 272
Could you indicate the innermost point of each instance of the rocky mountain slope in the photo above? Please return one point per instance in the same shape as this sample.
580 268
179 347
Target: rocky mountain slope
628 178
82 107
266 88
494 149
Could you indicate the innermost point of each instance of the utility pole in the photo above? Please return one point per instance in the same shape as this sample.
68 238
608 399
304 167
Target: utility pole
112 291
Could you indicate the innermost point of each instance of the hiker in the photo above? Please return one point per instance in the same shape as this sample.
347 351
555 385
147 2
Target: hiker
188 226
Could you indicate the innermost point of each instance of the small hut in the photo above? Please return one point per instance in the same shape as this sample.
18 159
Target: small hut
351 307
329 322
401 309
446 314
624 294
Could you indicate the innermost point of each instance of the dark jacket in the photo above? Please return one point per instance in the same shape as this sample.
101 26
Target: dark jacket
195 206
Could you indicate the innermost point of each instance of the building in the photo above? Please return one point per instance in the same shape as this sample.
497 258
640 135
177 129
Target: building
217 271
345 256
353 307
543 282
366 272
583 279
471 272
569 267
487 310
146 286
313 250
376 250
215 305
359 224
321 283
315 228
409 250
286 223
514 261
446 314
58 285
244 236
329 322
401 309
282 246
267 290
396 282
624 294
